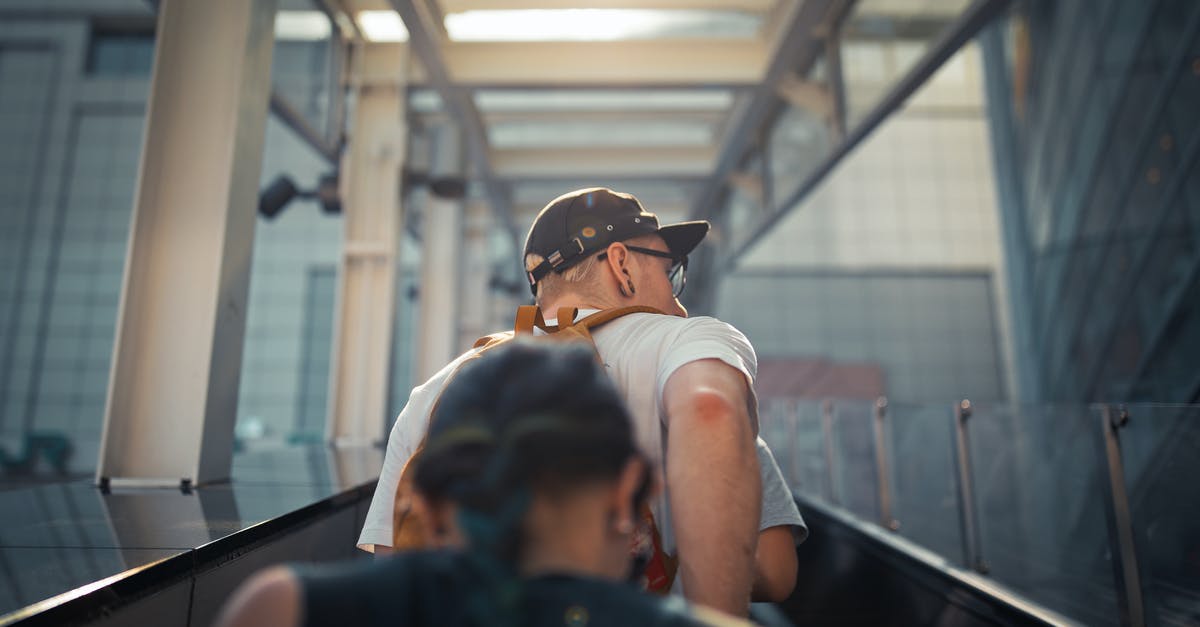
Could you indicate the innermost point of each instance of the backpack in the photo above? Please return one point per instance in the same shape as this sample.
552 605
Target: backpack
658 568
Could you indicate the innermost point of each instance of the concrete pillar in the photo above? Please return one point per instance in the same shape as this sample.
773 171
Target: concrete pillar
370 178
475 317
441 258
173 388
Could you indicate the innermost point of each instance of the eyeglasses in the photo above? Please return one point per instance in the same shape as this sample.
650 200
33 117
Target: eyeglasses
676 274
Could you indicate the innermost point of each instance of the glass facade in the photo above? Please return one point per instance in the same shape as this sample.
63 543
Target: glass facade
72 101
1099 99
894 260
72 107
1036 482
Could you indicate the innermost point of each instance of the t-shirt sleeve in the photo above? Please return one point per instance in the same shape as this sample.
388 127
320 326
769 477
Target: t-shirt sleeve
778 506
405 436
707 338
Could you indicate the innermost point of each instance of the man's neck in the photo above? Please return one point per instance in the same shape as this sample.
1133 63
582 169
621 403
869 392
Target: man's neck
550 309
570 539
551 306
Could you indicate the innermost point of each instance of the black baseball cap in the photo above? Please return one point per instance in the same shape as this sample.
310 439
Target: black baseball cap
586 221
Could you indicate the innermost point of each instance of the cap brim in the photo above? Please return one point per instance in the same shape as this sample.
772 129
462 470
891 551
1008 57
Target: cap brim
683 237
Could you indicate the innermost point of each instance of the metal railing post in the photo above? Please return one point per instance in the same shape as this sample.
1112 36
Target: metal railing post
794 436
882 470
967 518
830 461
1131 600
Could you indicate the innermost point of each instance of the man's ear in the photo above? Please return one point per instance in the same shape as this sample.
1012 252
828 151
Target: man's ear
617 260
618 268
629 483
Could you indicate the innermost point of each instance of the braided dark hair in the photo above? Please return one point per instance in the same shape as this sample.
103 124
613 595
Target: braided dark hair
524 418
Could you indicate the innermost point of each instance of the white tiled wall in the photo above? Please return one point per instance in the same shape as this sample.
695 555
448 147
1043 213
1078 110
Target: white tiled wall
895 258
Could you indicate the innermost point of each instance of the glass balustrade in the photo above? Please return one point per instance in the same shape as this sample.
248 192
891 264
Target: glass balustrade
1092 511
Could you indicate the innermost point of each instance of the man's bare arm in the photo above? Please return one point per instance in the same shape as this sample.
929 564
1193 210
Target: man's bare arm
713 481
775 564
270 598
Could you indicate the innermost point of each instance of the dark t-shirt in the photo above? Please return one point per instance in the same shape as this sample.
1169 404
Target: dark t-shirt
445 588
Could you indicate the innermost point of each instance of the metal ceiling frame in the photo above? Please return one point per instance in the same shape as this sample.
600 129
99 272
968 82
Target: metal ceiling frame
425 34
796 50
308 133
969 23
798 42
291 117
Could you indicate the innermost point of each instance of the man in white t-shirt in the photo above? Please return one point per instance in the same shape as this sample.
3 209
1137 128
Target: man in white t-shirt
725 510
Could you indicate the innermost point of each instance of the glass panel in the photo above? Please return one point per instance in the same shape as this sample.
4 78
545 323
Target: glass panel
855 483
744 205
302 67
919 191
290 308
316 340
1041 506
799 142
923 477
882 41
1160 448
68 166
121 53
404 324
792 428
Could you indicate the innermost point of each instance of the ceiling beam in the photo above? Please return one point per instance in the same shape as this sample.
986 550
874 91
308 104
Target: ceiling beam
563 65
752 6
811 96
595 116
426 40
603 163
341 19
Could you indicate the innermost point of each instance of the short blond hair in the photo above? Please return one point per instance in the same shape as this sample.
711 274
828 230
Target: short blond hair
578 278
575 278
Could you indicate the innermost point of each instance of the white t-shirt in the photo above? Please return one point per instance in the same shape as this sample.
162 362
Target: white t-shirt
637 349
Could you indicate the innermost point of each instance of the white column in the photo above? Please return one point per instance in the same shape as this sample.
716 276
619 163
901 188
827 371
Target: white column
475 316
370 177
173 388
441 261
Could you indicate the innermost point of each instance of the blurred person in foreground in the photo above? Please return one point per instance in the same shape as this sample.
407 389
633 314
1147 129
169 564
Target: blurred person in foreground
727 520
530 464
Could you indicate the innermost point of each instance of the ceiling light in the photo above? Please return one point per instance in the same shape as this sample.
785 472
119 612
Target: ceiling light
381 26
301 26
597 24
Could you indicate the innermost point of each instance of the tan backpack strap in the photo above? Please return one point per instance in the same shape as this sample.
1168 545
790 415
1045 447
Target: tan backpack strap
528 316
566 317
601 317
488 341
